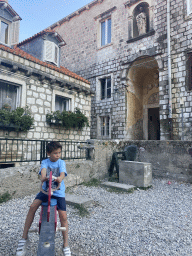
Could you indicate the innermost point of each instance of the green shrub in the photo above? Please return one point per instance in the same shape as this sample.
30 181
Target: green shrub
5 197
20 117
68 119
92 183
83 212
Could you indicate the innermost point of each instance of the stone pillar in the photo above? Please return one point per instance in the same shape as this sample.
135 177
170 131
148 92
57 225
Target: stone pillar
130 27
145 123
151 18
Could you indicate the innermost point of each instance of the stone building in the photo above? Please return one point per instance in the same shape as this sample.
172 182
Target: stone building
31 75
122 47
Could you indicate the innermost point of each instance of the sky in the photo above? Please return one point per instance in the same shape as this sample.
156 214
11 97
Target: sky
39 14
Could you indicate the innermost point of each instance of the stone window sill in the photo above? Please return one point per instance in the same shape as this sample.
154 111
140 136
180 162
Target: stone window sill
104 46
103 137
104 100
150 33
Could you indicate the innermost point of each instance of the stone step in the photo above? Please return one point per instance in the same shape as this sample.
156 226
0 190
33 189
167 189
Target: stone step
78 200
120 186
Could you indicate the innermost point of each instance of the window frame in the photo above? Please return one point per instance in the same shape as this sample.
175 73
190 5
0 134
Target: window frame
105 89
68 105
54 56
18 94
189 7
99 88
107 39
9 29
64 95
106 133
106 15
189 71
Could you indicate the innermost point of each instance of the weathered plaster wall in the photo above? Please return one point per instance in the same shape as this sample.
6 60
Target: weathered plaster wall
134 116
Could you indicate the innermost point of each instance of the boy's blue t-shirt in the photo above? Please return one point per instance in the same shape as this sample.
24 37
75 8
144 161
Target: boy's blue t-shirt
57 168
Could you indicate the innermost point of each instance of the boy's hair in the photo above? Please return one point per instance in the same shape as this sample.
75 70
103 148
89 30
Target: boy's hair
53 145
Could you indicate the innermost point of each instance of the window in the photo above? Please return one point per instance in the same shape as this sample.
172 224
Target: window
9 94
62 103
106 32
189 71
189 7
105 88
105 126
4 33
51 52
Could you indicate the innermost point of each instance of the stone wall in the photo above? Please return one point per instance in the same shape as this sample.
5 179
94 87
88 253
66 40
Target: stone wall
169 160
38 87
83 55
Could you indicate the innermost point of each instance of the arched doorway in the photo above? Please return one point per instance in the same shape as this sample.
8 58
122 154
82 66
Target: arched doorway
143 100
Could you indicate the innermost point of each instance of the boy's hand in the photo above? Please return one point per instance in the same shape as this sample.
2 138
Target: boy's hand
44 179
58 179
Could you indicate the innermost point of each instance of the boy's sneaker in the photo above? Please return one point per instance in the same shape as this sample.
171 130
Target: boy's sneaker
66 251
22 247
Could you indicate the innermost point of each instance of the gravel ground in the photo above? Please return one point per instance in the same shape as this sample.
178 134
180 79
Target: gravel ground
157 221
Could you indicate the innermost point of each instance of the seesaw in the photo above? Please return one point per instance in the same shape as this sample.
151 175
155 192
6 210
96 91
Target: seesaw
48 223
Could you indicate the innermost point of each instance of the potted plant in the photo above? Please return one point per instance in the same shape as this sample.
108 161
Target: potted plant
7 106
68 119
19 119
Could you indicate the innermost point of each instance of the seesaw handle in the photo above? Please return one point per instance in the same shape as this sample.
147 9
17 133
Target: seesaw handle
61 229
34 230
49 197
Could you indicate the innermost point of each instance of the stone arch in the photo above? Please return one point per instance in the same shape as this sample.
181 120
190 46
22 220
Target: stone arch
143 99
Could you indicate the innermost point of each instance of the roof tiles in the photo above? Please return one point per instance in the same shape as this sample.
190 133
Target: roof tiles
45 31
17 51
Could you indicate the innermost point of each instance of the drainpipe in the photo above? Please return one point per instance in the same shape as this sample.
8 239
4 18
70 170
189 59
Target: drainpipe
169 68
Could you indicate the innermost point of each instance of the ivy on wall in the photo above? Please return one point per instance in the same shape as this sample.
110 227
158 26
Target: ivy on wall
68 119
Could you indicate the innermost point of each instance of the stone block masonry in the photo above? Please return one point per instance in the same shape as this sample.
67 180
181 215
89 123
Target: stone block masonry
135 173
84 55
38 90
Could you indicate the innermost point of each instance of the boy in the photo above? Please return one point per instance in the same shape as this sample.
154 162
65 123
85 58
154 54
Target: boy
57 166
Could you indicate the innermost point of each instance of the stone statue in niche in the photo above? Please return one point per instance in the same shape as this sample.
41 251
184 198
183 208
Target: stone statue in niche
141 19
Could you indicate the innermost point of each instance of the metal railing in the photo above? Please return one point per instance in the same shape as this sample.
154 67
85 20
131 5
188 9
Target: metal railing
18 150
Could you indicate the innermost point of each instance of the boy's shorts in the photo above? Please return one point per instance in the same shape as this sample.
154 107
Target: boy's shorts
61 204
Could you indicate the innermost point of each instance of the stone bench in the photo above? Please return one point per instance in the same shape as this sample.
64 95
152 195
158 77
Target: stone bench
138 174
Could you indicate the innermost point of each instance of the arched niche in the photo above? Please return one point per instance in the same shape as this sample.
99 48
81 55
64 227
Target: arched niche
144 11
141 19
